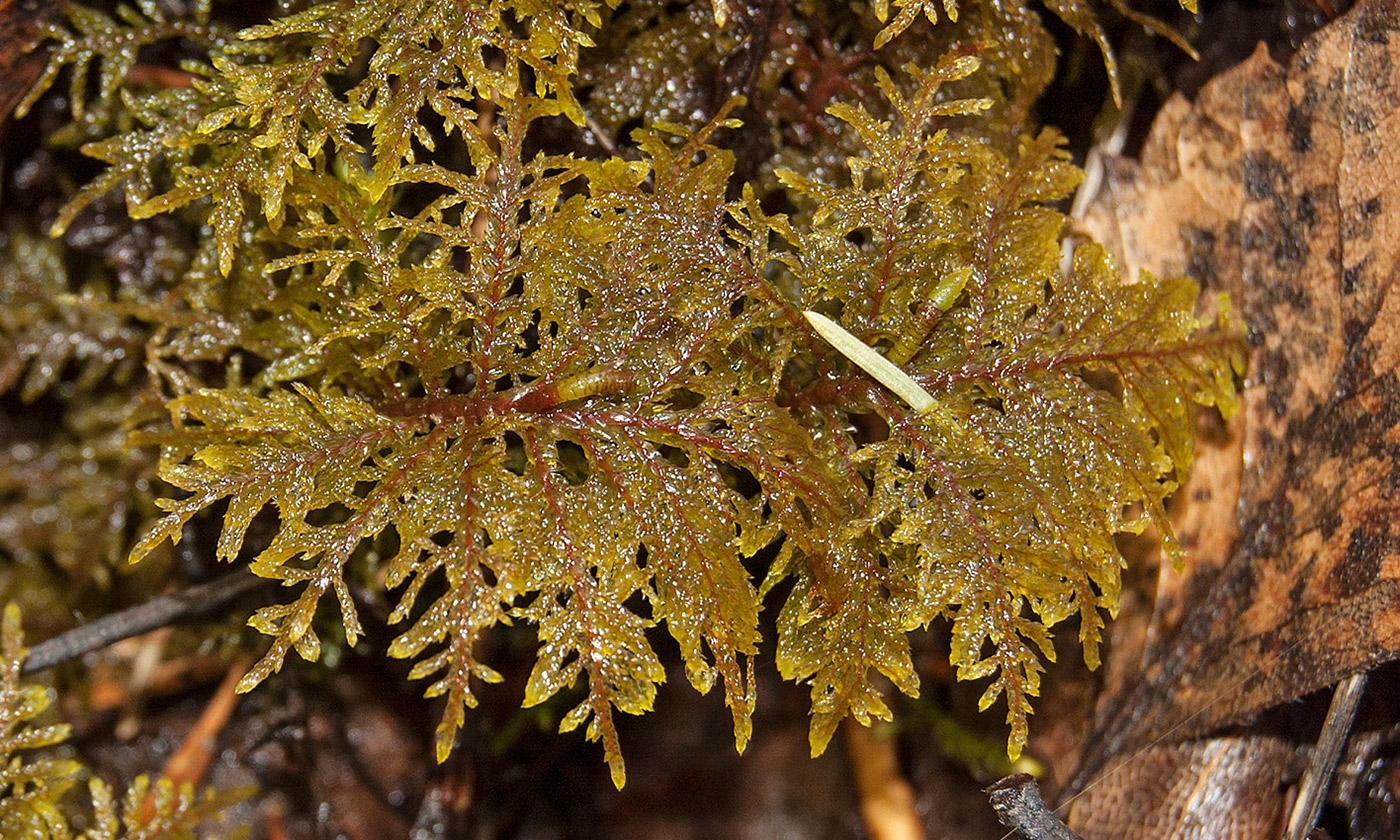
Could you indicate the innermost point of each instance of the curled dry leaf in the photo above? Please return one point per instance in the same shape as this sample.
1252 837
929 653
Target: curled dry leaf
1279 186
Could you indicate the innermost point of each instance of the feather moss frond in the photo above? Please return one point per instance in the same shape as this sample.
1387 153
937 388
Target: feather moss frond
1060 405
509 383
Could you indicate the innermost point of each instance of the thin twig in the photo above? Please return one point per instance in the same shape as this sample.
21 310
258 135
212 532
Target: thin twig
1016 800
1095 169
600 135
134 621
1318 777
190 763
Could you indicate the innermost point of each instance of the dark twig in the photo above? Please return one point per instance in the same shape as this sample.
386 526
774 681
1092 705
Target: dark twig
1323 765
134 621
1016 800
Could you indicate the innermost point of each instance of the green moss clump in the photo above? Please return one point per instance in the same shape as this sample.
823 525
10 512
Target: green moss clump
475 347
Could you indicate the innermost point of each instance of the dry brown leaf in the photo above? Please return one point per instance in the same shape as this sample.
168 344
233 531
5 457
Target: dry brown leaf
1167 803
1281 187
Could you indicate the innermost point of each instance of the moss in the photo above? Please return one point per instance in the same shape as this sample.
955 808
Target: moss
469 343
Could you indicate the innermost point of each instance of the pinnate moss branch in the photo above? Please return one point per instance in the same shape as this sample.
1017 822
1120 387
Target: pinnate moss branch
512 385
